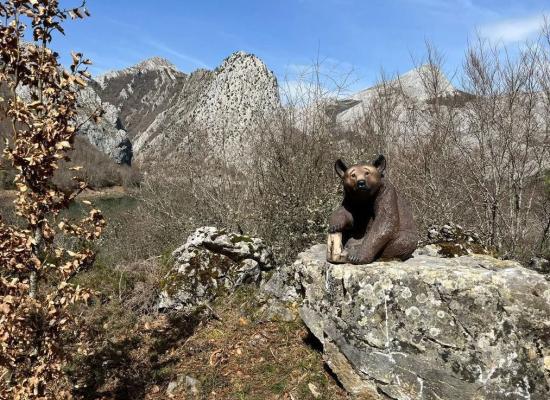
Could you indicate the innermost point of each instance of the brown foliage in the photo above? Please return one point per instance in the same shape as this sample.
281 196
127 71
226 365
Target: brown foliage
36 295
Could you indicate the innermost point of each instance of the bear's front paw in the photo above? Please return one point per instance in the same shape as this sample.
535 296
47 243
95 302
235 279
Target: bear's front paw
353 257
356 258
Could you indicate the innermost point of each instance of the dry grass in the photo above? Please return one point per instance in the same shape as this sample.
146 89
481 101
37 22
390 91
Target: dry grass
239 357
234 355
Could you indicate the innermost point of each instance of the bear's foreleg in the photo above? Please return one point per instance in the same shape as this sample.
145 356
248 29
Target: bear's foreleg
340 220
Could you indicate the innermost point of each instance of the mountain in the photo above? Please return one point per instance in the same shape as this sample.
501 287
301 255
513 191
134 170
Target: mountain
141 92
162 108
415 85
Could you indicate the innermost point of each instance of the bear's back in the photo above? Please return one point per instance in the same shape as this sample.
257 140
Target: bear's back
406 218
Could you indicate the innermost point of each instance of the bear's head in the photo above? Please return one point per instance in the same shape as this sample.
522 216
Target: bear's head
361 178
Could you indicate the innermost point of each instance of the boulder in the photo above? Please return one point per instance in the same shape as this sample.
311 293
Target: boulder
452 240
468 327
210 263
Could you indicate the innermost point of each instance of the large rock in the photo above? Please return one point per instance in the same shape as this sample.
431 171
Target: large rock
210 263
470 327
108 134
242 96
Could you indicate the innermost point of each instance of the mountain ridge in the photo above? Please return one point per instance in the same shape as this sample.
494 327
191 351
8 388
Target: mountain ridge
157 104
162 109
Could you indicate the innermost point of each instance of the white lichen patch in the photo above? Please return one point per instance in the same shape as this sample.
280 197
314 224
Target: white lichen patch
366 292
406 293
421 298
448 284
454 305
385 284
434 331
441 314
413 312
483 342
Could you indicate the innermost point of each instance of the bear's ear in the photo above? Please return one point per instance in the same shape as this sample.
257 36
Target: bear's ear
380 163
340 168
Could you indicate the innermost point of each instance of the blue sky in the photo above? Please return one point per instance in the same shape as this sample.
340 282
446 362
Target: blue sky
362 35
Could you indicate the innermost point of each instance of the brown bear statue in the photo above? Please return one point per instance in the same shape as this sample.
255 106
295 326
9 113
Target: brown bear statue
375 221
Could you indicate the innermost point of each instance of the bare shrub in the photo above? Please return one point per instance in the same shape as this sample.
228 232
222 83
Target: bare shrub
474 157
282 192
97 169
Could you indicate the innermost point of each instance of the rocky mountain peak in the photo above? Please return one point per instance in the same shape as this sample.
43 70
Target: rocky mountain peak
242 59
154 63
414 82
159 105
242 92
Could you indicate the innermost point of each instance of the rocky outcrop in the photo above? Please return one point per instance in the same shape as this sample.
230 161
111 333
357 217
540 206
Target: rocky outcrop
141 93
153 111
242 95
451 240
108 134
213 262
540 264
468 327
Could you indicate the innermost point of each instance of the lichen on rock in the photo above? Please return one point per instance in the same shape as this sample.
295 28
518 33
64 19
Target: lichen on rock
468 327
210 263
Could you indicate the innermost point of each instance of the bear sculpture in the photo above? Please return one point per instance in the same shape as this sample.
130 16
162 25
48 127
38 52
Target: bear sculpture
375 222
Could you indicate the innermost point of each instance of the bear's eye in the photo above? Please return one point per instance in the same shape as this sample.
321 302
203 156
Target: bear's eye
353 175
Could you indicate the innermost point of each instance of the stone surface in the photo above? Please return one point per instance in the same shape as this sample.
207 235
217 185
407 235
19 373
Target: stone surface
468 327
108 135
142 94
210 263
243 93
190 384
453 240
540 264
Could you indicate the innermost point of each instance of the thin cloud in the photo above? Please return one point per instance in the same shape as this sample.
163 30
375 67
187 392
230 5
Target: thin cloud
512 30
168 50
452 8
327 67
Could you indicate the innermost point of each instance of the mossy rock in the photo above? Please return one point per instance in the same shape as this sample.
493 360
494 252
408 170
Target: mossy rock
210 264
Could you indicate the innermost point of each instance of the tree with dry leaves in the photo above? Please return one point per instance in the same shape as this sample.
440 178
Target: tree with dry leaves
36 294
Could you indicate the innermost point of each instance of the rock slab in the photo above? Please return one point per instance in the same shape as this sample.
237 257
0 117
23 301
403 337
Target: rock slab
470 327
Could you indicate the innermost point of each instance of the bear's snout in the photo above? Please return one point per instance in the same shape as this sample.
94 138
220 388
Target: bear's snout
361 184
